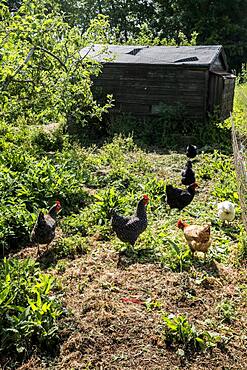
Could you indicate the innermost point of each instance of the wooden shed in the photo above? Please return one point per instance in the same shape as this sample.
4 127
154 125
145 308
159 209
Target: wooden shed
142 77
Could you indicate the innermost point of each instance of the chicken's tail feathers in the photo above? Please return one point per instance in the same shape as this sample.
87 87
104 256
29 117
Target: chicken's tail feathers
112 212
113 215
169 189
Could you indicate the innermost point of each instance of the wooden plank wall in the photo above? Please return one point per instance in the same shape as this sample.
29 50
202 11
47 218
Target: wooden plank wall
139 89
221 93
228 96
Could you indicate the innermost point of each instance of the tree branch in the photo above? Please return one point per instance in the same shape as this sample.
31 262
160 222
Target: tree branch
30 54
54 56
10 78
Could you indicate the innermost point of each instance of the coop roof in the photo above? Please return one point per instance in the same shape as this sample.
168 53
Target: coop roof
196 55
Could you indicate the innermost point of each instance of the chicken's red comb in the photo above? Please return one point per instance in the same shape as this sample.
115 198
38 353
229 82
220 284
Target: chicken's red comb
145 196
180 223
58 204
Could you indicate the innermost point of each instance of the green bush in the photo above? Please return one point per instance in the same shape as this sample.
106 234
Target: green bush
154 131
28 311
42 73
48 141
179 332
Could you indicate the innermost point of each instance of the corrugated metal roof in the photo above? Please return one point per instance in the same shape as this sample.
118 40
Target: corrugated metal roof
196 55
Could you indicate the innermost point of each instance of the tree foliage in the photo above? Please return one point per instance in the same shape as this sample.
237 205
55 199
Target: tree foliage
216 22
43 76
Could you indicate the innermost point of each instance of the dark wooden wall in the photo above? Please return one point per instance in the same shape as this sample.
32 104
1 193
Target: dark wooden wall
139 89
227 97
221 93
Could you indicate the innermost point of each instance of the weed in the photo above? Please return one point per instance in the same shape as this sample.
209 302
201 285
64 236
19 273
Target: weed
242 244
153 132
177 256
71 246
219 168
48 141
153 305
61 266
28 310
179 332
226 309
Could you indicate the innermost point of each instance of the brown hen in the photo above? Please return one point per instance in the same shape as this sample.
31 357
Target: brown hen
198 237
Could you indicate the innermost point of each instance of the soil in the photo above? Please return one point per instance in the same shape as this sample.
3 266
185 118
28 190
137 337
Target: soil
108 324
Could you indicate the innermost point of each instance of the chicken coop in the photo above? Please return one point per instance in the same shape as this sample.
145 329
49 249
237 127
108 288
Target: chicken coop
143 78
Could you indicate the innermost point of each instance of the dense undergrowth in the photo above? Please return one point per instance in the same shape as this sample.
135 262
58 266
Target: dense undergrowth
28 311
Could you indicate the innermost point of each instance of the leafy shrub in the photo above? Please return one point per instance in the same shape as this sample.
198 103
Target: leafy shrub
28 311
43 76
48 140
15 222
156 131
178 331
29 183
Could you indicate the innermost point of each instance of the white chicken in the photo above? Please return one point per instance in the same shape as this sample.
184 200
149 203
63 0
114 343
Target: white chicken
226 211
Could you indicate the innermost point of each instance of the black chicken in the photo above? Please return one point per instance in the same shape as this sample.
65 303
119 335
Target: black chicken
44 229
188 175
179 198
191 151
129 228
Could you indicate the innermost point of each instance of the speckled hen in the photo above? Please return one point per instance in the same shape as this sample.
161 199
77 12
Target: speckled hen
44 229
129 228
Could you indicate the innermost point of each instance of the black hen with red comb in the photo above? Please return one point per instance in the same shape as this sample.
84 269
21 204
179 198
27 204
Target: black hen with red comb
129 228
44 229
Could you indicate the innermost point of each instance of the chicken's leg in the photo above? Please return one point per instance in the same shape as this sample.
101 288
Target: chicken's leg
38 253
